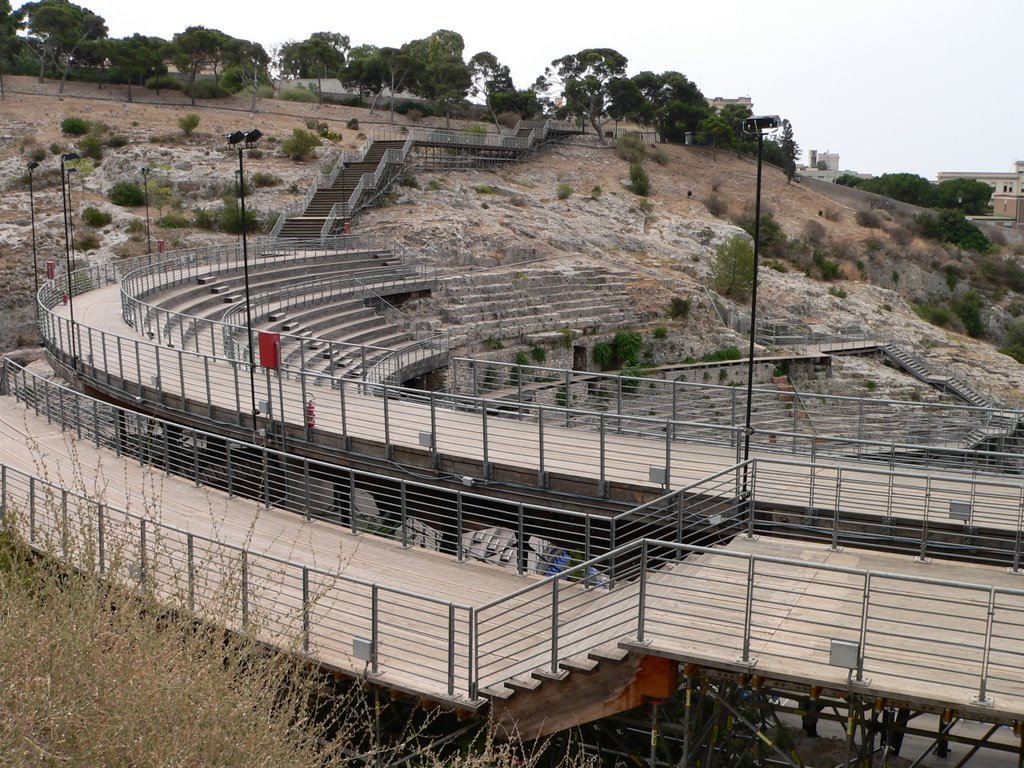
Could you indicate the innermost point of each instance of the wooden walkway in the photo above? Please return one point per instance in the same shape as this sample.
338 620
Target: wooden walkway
924 642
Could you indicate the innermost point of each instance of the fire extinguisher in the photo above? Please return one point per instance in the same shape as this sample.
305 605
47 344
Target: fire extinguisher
311 413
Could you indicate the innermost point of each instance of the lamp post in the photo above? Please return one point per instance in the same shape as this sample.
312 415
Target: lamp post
145 192
65 190
757 126
241 141
32 212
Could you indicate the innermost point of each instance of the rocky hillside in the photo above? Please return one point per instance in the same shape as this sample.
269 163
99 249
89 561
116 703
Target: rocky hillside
562 233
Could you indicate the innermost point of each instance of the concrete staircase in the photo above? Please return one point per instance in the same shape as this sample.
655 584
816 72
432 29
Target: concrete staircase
920 370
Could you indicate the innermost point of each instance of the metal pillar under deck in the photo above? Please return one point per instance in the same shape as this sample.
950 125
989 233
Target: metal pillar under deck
720 722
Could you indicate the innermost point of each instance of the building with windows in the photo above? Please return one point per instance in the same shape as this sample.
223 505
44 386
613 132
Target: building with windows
1011 183
717 103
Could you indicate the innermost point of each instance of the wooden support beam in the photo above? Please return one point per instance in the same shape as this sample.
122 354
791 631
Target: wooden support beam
581 698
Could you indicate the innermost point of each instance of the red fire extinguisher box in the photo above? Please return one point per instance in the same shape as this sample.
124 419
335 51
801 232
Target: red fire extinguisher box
270 345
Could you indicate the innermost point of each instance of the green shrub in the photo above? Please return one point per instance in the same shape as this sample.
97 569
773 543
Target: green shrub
645 206
204 218
493 344
117 141
434 185
829 268
835 290
209 89
127 194
732 268
410 182
483 189
94 217
630 147
262 180
522 358
595 192
188 123
135 227
679 308
38 154
716 206
88 242
639 181
627 346
91 147
55 148
604 355
300 145
661 332
173 221
659 155
352 124
721 355
74 126
538 354
564 191
870 385
156 82
303 95
230 218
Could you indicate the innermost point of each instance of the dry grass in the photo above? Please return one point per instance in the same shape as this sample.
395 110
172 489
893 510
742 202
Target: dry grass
100 678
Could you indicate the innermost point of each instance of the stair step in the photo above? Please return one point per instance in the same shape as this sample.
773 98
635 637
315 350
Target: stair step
545 673
275 316
609 653
218 289
497 692
585 666
519 684
289 326
233 298
206 279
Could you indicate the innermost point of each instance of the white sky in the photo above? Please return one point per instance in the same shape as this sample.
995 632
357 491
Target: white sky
891 85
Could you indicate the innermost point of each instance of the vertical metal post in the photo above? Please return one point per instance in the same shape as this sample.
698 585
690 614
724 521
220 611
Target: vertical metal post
388 448
459 553
748 611
541 482
305 609
245 588
142 551
483 431
642 597
835 514
555 583
669 428
101 535
602 455
375 627
403 513
191 565
451 648
987 654
64 523
31 510
229 470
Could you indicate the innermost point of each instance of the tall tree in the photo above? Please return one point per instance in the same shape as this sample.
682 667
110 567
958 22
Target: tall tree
790 150
970 196
194 49
364 70
137 56
717 130
585 77
57 32
439 73
489 77
245 66
734 115
320 55
9 26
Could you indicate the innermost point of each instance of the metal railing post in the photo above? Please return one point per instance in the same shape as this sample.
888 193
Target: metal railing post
986 655
305 609
642 596
748 611
451 649
555 582
375 628
245 588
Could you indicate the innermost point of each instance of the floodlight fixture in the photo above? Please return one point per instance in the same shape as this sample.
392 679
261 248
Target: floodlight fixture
761 124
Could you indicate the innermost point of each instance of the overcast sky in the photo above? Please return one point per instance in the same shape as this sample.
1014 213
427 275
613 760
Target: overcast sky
890 85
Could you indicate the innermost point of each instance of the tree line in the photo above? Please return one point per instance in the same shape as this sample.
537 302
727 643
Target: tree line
60 39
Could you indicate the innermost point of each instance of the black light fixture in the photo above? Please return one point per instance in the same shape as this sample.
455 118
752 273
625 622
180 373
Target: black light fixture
243 140
145 192
65 190
759 126
32 212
